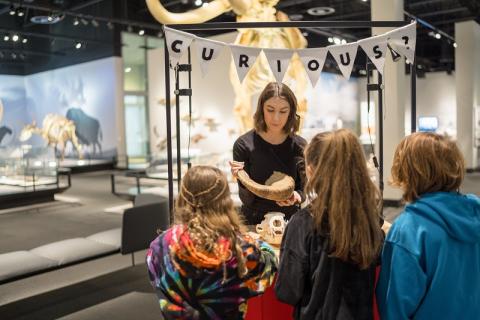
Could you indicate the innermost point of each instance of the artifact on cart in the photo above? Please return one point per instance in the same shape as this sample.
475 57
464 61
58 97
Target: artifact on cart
272 227
278 187
57 131
260 74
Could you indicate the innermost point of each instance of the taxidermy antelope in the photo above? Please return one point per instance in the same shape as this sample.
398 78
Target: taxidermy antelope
260 74
57 131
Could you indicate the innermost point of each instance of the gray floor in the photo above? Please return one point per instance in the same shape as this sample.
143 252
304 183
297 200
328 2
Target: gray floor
24 229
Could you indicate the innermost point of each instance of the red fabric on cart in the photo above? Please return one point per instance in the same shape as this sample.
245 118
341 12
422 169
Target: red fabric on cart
267 307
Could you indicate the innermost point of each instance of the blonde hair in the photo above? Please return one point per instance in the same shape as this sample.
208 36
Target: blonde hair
204 205
344 201
427 162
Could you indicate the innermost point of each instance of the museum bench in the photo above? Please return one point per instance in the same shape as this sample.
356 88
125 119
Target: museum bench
140 225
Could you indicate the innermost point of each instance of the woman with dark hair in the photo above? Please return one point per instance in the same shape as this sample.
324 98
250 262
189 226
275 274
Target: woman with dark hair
272 145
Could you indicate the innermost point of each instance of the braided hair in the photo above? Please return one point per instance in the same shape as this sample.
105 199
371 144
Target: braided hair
205 207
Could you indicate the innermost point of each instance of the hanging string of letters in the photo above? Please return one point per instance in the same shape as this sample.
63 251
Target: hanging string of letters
401 39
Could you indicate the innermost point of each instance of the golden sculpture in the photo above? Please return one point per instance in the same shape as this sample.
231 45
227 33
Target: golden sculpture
260 74
56 130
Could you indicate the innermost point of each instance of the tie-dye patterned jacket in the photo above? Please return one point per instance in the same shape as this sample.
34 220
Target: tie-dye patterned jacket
196 285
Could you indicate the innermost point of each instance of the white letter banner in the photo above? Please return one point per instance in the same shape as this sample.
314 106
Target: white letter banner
278 59
404 40
207 52
177 43
375 48
313 61
345 56
244 58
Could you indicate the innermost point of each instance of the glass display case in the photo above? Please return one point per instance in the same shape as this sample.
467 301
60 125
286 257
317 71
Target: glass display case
29 172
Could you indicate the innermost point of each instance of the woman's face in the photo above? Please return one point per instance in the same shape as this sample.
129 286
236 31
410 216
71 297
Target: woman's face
275 113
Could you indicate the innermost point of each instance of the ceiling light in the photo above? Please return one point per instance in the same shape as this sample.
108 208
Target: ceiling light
76 22
25 40
22 56
78 45
141 32
95 23
6 38
321 11
20 12
344 41
198 3
15 38
438 35
455 45
50 18
84 21
336 40
305 34
14 55
12 10
330 39
364 0
128 69
110 25
205 4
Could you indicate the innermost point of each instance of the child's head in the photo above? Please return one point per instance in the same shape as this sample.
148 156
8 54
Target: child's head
427 162
204 205
343 198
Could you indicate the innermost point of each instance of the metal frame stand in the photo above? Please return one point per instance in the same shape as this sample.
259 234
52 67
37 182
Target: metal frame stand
286 24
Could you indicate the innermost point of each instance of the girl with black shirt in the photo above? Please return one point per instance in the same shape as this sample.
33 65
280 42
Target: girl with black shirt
271 146
329 250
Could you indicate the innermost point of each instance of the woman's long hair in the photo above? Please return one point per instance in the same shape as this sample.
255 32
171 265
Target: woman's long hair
204 205
344 202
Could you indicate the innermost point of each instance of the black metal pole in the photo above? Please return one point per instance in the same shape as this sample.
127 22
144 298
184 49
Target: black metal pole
413 89
288 24
380 130
177 113
189 164
169 131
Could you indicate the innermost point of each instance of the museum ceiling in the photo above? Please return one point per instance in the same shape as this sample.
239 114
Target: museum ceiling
38 35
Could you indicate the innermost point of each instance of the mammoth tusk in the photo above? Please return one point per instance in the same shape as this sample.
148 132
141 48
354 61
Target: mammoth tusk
202 14
278 187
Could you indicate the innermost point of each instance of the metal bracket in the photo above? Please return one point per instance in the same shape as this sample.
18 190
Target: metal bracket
183 92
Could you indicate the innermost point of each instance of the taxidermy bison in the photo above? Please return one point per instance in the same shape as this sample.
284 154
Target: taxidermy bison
87 129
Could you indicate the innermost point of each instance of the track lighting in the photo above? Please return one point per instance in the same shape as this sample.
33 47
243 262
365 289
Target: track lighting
12 10
76 22
78 45
15 38
95 23
141 32
20 12
110 25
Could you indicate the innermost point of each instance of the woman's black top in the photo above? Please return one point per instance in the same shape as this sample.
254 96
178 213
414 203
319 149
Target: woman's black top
261 160
320 287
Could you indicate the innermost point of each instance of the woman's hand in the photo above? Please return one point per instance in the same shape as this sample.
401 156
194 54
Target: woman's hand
236 166
294 198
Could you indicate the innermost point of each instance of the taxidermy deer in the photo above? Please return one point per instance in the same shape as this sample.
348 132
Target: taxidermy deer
260 74
57 131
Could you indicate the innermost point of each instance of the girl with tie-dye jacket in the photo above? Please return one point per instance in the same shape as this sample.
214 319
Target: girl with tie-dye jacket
204 267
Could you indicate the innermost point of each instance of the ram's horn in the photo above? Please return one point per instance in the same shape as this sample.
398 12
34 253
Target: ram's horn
278 187
199 15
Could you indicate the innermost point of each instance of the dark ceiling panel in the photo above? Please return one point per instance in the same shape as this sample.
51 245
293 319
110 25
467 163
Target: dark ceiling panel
52 46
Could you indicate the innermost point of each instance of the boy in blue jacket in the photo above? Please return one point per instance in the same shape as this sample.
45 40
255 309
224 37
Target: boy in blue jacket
431 257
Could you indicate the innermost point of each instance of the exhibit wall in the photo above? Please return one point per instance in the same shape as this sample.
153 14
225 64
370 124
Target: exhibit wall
15 111
85 94
436 98
333 103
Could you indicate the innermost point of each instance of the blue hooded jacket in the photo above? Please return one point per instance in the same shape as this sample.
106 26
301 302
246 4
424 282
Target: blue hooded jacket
431 260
